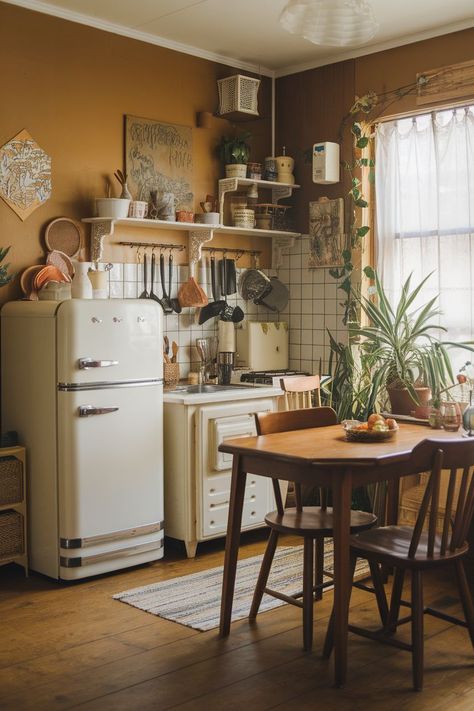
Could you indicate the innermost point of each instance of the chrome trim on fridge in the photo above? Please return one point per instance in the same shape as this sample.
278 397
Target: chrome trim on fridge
69 543
81 561
108 385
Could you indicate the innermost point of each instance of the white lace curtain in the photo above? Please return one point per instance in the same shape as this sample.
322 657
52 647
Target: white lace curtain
425 212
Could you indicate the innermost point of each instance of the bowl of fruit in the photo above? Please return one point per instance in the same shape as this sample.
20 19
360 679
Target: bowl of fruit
376 429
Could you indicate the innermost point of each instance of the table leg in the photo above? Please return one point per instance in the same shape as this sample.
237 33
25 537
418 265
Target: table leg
342 499
237 491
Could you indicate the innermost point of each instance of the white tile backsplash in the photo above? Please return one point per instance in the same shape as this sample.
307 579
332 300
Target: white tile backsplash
314 306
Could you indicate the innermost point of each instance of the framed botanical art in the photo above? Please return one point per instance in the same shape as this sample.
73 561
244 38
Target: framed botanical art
159 156
326 233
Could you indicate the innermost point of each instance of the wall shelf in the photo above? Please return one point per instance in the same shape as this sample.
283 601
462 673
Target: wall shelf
199 234
280 191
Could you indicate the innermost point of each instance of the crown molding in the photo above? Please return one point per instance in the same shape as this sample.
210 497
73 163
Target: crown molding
47 9
80 18
373 49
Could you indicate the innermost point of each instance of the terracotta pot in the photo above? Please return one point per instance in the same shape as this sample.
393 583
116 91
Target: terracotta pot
402 403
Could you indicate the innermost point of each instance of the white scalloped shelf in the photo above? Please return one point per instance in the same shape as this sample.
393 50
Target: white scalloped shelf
269 184
102 227
189 226
154 224
255 231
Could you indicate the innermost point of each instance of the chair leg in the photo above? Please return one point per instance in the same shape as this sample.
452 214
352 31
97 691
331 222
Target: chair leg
466 598
395 599
308 595
379 591
329 639
417 628
264 573
319 567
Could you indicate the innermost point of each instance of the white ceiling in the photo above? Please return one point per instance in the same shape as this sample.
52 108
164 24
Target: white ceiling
246 33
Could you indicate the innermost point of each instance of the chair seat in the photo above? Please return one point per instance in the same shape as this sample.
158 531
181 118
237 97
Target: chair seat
315 522
391 544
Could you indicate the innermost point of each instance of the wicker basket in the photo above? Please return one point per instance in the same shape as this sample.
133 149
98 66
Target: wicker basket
238 93
171 374
11 534
11 481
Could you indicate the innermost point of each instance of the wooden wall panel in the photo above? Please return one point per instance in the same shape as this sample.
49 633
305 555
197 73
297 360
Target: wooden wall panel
309 108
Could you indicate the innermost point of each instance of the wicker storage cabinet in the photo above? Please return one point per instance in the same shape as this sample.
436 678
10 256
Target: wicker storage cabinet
11 534
11 480
13 519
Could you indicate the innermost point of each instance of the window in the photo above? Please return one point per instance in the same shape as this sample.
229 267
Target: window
425 212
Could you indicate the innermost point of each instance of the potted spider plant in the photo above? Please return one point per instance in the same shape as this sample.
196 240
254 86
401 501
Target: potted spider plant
404 347
235 152
5 277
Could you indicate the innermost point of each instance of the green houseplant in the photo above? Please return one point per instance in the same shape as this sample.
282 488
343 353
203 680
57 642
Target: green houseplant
235 152
5 277
403 347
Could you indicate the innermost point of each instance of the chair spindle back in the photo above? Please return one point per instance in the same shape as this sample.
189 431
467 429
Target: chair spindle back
457 456
299 392
272 422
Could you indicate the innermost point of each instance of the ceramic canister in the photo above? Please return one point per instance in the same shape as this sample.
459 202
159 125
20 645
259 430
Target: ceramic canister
285 165
244 218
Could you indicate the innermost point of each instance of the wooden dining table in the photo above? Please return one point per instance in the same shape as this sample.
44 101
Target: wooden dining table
321 457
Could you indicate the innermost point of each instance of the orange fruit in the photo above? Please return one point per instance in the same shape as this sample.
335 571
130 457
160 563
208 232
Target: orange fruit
373 419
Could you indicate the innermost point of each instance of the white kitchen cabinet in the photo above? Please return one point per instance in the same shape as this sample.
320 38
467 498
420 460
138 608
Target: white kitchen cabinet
197 476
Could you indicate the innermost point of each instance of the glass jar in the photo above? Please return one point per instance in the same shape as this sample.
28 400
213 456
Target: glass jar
435 418
451 416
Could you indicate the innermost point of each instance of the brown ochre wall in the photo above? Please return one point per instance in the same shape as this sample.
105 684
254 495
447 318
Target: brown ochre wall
70 86
310 105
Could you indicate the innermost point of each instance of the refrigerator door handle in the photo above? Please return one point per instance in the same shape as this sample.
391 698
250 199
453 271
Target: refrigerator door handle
89 410
85 363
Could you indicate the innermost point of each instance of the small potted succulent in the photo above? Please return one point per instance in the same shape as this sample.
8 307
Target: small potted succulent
235 152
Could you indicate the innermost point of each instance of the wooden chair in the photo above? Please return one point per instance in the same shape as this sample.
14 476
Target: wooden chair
415 549
313 523
299 392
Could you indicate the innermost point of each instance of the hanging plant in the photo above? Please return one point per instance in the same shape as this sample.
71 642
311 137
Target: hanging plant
5 277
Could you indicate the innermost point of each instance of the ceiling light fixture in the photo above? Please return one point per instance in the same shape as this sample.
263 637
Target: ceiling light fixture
331 23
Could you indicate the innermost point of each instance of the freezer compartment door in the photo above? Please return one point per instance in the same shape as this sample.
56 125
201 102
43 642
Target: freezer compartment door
110 464
109 340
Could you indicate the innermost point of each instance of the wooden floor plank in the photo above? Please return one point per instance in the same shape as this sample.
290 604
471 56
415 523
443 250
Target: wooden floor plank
74 646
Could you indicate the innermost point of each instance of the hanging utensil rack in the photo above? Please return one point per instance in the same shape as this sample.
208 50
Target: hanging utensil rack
238 253
153 245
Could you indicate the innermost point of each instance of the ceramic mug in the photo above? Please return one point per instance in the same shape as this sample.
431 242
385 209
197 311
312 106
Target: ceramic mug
138 209
185 216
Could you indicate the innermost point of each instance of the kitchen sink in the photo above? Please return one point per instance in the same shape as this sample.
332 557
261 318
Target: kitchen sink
206 388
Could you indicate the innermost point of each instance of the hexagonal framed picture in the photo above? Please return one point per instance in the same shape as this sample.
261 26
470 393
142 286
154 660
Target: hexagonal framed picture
25 174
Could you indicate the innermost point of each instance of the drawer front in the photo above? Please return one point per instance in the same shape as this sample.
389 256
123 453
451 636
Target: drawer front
223 428
214 424
216 495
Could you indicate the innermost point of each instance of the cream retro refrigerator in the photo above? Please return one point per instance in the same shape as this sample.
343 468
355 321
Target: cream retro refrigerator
82 385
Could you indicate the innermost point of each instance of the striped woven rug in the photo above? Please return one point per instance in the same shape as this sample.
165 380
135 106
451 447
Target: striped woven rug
194 600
